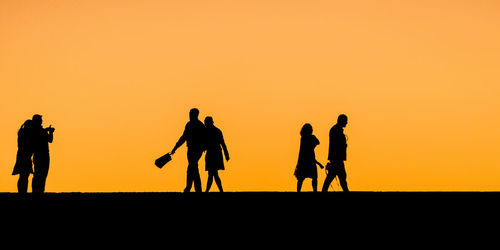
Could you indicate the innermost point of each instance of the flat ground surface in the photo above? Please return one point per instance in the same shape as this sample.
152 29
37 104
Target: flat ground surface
253 217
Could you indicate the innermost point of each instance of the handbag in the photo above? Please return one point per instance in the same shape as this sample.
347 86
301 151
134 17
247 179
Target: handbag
160 162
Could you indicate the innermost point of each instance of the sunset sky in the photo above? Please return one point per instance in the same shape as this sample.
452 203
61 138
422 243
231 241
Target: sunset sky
419 81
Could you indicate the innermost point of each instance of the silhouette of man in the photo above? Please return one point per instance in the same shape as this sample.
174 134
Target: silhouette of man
41 159
337 155
194 136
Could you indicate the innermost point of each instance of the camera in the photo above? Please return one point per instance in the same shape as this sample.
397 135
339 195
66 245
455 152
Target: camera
50 129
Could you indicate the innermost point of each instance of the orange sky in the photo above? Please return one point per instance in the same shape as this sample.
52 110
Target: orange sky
419 81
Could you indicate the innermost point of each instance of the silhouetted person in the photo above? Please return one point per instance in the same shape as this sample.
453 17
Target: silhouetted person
194 136
24 166
213 158
41 159
337 155
306 165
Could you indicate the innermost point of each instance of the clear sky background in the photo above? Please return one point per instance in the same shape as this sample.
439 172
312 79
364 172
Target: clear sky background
419 81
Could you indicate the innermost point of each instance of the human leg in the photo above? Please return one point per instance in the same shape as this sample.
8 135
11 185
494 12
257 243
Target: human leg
218 181
193 174
209 181
197 180
328 180
22 183
299 184
41 163
343 177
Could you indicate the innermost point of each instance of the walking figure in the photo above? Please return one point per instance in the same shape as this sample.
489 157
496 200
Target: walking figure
306 164
213 158
337 155
194 136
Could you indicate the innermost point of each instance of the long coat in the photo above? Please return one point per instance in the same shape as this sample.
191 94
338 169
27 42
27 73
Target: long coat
306 164
214 141
24 152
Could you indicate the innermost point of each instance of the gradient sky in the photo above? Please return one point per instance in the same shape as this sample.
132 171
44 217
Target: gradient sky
419 81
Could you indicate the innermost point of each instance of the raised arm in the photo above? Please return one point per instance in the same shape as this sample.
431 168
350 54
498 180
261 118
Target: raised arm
50 134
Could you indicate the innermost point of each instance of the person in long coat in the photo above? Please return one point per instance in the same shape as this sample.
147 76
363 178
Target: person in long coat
306 164
24 164
213 158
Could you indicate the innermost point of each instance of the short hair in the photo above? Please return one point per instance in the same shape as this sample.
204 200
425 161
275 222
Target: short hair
37 117
194 112
342 118
209 119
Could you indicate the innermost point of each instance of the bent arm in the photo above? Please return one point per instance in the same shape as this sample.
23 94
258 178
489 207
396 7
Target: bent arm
224 147
50 137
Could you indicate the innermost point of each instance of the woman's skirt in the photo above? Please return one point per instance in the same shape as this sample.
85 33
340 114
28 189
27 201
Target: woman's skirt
23 163
306 171
214 160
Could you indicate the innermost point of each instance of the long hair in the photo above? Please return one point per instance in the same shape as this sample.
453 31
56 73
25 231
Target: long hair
26 125
307 129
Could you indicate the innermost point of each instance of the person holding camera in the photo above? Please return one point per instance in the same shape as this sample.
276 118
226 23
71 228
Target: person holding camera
41 159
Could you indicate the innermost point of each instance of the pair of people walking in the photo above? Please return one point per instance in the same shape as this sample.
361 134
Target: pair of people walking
201 137
306 164
33 142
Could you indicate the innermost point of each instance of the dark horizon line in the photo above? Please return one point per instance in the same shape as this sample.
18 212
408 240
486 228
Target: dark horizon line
252 192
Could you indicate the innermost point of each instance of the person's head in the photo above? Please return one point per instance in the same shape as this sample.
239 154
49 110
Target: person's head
193 114
209 121
37 120
26 125
307 129
342 120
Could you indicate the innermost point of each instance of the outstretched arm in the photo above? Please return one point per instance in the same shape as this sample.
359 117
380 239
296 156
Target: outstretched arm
180 141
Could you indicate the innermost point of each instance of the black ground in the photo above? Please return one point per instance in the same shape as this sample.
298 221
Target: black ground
256 217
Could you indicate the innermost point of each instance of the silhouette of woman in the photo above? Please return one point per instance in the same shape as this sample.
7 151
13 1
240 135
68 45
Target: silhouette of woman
306 165
24 165
214 142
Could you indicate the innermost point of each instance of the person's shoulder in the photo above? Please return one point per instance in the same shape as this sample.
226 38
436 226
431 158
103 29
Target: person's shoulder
200 124
334 129
194 123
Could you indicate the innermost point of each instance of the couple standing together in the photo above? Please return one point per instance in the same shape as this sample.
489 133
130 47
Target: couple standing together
33 141
306 165
201 137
